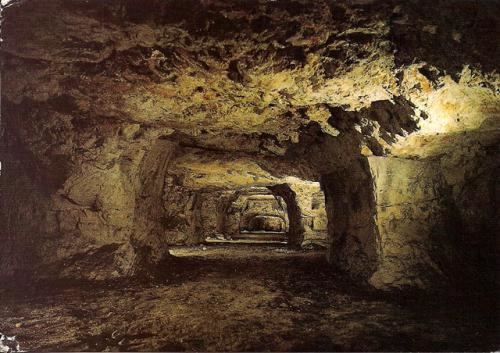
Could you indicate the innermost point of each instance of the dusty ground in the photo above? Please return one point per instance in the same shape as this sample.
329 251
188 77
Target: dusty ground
241 298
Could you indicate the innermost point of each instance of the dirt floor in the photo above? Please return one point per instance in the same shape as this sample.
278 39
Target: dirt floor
242 298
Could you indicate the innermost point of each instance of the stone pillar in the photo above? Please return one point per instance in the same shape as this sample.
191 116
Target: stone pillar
350 206
296 228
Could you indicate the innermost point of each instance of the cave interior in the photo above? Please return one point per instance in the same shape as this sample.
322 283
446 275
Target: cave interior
176 173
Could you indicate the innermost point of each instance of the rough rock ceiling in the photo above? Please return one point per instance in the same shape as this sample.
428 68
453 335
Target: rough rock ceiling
252 75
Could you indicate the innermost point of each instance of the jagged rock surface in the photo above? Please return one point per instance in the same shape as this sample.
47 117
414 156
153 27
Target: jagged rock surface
114 112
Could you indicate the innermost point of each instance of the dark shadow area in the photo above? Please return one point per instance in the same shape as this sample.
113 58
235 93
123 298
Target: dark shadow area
203 293
466 31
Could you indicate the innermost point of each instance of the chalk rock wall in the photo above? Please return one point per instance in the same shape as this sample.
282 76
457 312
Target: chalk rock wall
89 211
26 218
411 203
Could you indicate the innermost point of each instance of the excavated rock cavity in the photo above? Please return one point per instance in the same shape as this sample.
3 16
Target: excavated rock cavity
369 126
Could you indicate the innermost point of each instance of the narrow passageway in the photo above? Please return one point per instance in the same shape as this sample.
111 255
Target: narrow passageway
236 298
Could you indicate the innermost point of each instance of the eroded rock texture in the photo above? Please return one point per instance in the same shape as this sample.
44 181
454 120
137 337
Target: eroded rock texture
125 121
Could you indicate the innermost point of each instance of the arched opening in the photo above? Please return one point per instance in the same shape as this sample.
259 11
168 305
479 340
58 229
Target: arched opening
264 214
252 213
273 213
265 223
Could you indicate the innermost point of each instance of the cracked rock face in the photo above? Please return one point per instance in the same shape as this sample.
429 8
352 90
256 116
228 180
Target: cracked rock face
125 121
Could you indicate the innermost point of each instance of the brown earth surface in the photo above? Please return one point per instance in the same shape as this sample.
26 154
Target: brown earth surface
240 298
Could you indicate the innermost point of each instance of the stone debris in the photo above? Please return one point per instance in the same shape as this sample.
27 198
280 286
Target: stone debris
9 344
